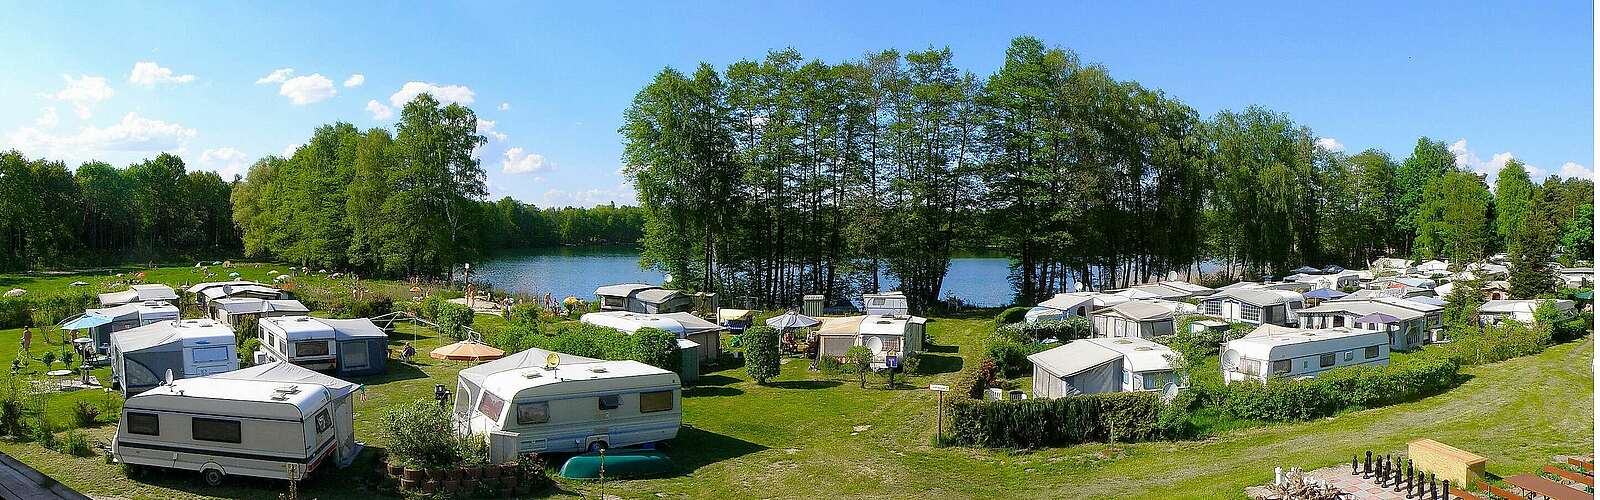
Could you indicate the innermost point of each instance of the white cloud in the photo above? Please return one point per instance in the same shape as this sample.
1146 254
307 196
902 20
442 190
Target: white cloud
225 161
518 162
505 106
1330 144
355 80
48 119
588 198
1468 159
147 74
445 94
302 90
276 76
1573 169
378 110
486 127
289 150
83 92
134 134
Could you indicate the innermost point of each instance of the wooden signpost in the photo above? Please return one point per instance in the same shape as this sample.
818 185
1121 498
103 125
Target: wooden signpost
940 389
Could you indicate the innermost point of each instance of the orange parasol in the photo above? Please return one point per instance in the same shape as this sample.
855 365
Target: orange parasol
467 350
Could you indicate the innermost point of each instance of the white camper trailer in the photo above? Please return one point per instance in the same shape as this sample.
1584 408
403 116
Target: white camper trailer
884 304
273 421
524 403
301 340
188 348
140 293
127 316
1276 351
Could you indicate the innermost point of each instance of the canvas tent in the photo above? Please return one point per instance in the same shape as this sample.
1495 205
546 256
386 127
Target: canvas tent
1093 366
1138 318
339 391
239 310
121 318
642 298
139 293
140 357
878 333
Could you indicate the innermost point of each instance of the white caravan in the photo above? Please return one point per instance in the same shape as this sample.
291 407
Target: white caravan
301 340
1276 351
186 348
218 426
522 403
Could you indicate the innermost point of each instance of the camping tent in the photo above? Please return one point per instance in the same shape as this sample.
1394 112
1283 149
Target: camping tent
363 347
141 356
338 390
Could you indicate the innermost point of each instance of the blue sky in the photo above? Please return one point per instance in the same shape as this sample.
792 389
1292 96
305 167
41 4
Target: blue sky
1496 81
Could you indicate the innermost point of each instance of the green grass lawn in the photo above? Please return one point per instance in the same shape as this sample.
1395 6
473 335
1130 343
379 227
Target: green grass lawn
809 435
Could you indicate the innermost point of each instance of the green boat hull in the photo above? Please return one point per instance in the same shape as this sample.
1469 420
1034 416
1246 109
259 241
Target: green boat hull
619 464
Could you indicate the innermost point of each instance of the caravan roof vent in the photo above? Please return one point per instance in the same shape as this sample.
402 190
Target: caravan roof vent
531 374
303 318
597 369
1143 348
287 389
885 322
278 396
1124 341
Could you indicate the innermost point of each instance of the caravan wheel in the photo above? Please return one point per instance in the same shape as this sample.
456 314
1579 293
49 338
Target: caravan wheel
597 446
213 477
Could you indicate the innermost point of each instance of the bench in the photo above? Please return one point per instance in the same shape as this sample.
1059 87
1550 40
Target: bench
1586 465
1501 492
1570 476
1445 461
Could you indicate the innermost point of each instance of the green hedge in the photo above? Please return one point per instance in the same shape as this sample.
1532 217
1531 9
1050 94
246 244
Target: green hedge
1035 423
1011 315
1064 330
1338 389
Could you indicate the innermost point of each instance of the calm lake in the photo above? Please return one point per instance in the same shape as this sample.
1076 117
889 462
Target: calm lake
577 271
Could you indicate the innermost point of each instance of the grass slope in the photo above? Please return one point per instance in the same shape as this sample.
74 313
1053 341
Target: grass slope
809 435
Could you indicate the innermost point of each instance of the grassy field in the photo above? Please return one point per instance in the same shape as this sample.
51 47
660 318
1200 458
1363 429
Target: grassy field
809 435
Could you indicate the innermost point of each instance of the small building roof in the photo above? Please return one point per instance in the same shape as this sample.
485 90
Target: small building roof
1187 287
304 396
172 335
1068 301
1401 309
1139 310
139 293
657 295
252 305
198 287
281 371
680 323
1257 297
151 308
1268 339
875 324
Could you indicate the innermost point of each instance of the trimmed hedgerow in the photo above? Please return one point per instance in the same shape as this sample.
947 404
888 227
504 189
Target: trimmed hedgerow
1063 329
1011 315
1034 423
1336 390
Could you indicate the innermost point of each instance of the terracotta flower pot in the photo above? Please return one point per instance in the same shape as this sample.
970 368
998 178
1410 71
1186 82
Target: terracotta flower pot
491 472
475 471
413 475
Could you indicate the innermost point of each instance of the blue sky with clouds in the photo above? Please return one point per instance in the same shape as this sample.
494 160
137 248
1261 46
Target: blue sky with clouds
123 81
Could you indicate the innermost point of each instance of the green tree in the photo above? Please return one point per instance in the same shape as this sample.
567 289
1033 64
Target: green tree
1453 220
1530 254
761 353
1461 304
1577 239
1429 160
859 359
1513 195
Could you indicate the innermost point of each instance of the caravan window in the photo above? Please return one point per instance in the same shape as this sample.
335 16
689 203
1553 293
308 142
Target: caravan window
210 429
610 402
311 348
655 401
1372 352
353 354
210 354
533 413
1282 366
324 421
148 424
1325 361
491 406
1213 307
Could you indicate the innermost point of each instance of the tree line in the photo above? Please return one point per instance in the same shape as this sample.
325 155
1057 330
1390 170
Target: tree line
404 203
779 177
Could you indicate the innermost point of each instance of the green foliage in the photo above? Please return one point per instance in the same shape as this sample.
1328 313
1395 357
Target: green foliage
1532 247
1453 219
14 312
656 347
651 346
372 306
911 363
49 359
75 443
1461 305
1034 423
247 351
1474 346
454 319
1513 194
85 414
761 352
51 309
419 434
1064 330
974 380
859 359
1335 390
1010 315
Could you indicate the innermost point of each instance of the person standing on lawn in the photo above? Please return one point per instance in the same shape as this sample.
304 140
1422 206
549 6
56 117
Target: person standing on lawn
27 339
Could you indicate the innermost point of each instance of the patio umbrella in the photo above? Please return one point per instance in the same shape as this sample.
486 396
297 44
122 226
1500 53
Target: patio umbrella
467 350
1306 270
1325 294
85 321
791 320
1378 318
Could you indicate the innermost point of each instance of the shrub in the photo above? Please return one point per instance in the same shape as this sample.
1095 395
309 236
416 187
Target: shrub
859 359
49 358
85 414
75 443
911 363
1474 346
420 435
1011 315
1033 423
454 319
525 311
14 312
973 381
1063 330
52 309
1338 389
248 350
656 347
1010 357
761 353
67 355
829 365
